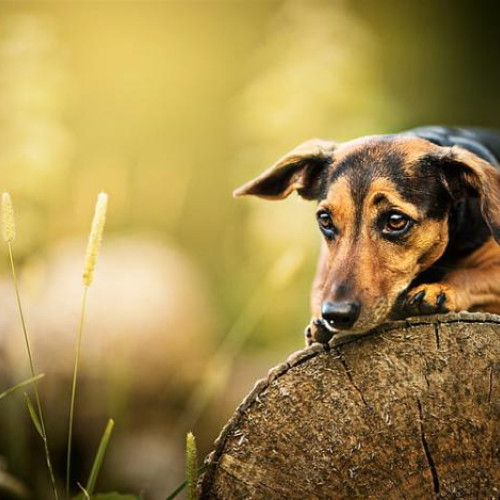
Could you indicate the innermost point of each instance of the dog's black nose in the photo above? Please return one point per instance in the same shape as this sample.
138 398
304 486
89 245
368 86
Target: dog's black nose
340 314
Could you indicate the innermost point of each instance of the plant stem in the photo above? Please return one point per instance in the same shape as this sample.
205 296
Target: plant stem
73 387
33 372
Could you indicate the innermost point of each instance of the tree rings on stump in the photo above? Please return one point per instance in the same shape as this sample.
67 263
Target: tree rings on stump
411 410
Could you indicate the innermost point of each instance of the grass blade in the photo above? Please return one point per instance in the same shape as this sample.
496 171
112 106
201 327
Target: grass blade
99 457
85 493
21 384
183 485
9 234
34 416
176 491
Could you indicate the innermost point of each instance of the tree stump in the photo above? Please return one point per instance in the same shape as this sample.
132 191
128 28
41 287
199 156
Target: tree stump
411 410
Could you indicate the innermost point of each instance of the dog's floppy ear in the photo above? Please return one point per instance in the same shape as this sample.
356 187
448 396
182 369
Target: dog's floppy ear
467 173
299 170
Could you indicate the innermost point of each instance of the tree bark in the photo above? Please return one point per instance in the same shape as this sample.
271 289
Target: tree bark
411 410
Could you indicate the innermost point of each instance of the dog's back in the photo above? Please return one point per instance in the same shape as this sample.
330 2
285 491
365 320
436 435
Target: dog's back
481 141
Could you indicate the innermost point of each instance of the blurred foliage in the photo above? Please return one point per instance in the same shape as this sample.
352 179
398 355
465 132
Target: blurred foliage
168 106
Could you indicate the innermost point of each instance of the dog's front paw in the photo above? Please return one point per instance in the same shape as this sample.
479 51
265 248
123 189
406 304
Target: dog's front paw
316 332
430 298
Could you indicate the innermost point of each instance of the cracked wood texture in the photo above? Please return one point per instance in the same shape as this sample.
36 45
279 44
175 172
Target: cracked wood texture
411 410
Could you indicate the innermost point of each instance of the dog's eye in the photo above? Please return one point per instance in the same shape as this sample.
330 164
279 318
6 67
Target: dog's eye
326 224
396 224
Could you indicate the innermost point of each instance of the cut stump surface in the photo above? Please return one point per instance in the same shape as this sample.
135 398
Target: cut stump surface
411 410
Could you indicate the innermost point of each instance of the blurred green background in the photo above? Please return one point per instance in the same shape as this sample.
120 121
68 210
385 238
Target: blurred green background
168 106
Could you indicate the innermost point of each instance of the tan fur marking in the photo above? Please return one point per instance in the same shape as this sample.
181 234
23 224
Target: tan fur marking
386 187
340 204
476 280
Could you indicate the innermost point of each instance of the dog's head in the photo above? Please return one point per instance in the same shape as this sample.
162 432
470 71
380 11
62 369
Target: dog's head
383 209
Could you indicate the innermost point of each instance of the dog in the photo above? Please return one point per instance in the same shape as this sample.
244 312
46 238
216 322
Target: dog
410 224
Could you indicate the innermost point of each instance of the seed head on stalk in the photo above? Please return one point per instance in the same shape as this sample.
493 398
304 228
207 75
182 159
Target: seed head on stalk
95 238
8 220
93 246
9 235
191 466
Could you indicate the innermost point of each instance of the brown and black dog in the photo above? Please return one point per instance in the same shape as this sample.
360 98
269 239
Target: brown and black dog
411 224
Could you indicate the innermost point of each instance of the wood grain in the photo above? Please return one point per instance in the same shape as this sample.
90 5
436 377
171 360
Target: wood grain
411 410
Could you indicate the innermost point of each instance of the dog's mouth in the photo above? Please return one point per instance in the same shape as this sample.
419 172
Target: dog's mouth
328 325
326 330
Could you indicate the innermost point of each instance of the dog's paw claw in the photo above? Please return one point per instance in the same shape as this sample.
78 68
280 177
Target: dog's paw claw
441 299
429 299
417 298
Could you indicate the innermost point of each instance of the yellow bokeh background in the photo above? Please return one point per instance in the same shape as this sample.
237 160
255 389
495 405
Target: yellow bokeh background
169 106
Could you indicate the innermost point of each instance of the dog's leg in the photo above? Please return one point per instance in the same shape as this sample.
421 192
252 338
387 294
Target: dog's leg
314 331
473 285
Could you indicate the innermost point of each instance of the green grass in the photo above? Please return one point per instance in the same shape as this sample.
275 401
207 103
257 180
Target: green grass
24 383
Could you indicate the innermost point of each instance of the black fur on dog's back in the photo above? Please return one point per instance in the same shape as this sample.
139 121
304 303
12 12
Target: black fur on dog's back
485 143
